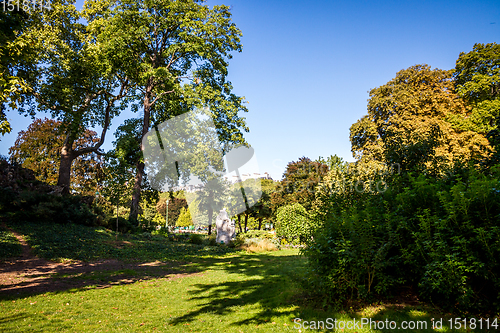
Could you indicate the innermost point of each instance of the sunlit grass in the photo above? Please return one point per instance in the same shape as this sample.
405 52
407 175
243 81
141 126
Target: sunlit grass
241 292
202 289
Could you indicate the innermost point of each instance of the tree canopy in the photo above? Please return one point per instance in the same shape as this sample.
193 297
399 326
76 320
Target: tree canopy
39 147
407 123
299 183
171 50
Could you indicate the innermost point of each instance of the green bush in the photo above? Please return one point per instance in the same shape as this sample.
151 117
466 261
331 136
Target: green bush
440 236
196 239
293 223
124 224
162 232
351 256
35 206
212 240
256 234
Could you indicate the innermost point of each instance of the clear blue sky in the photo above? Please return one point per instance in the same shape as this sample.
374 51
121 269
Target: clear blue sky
306 67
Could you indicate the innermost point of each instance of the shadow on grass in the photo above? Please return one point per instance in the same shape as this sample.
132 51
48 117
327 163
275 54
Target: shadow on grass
37 276
266 280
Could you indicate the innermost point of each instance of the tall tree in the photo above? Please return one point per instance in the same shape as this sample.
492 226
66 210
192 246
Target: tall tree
39 148
12 55
477 81
174 207
70 79
184 219
299 183
172 48
406 123
263 209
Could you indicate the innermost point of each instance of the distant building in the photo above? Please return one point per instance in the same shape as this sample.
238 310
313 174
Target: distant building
245 176
232 179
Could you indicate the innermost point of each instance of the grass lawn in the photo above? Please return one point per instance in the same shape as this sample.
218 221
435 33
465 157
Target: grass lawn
207 292
9 246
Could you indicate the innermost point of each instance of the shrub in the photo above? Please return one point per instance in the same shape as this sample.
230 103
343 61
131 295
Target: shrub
34 206
351 256
212 240
437 235
161 232
256 234
293 223
184 219
196 239
124 224
256 245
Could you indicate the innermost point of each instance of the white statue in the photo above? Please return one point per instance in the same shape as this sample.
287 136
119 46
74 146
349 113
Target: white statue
225 227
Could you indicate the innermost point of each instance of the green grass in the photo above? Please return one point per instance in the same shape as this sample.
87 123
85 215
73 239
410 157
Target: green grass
232 292
62 242
9 246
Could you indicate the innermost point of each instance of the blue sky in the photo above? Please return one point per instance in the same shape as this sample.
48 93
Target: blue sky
307 67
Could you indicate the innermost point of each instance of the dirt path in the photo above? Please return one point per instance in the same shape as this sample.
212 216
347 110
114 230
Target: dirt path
28 274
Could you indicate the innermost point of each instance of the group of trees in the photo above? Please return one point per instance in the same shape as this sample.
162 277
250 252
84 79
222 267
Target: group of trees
431 137
84 67
419 207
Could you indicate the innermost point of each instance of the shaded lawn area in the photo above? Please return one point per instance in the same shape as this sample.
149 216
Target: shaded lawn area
144 284
9 246
63 242
237 293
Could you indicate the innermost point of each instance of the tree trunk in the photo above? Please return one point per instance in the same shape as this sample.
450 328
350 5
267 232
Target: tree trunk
246 221
260 222
239 222
210 215
67 157
117 204
136 195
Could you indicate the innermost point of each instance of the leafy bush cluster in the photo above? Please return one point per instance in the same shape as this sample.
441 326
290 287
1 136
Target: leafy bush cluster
440 236
293 223
256 234
39 206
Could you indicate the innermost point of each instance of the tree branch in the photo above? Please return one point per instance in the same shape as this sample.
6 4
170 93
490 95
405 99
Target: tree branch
110 103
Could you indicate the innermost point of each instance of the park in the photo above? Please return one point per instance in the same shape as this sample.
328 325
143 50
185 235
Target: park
140 191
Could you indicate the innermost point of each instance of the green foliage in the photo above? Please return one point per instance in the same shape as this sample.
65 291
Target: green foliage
299 183
12 55
34 206
212 240
438 235
477 80
293 223
184 219
196 239
407 123
9 246
256 234
350 255
124 224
